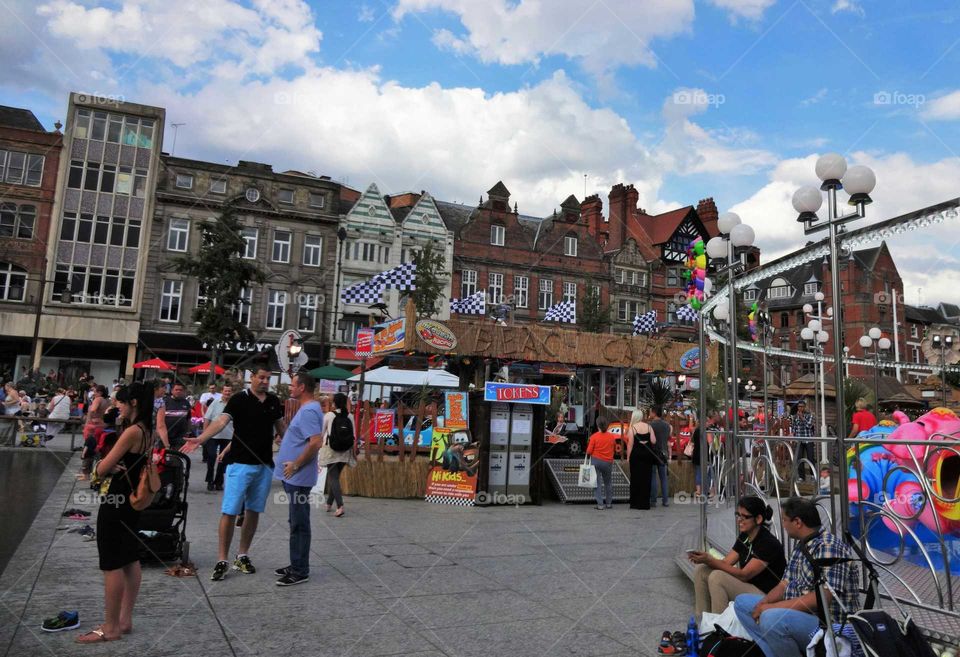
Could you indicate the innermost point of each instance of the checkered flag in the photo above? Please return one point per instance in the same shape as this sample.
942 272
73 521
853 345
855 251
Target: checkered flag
402 277
645 323
687 314
475 304
565 311
364 292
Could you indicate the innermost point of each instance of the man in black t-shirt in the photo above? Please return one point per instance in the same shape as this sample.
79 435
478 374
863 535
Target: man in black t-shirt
662 430
173 417
257 420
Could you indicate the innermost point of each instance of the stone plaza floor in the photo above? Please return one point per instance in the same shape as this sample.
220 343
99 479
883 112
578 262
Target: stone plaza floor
392 577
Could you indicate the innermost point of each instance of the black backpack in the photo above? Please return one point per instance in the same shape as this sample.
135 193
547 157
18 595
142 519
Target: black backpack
720 643
341 434
880 635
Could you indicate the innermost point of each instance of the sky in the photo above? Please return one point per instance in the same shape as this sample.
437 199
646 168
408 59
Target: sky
684 99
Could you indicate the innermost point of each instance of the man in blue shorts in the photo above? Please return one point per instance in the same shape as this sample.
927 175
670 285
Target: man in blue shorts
257 419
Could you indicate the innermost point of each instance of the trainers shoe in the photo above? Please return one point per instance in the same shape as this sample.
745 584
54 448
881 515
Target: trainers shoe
280 572
65 620
219 571
290 579
244 565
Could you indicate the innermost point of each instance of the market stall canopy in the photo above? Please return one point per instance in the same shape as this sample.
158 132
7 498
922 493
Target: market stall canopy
330 372
807 385
389 376
153 364
205 369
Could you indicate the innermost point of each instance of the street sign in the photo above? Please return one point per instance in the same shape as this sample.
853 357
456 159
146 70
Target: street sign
364 348
516 393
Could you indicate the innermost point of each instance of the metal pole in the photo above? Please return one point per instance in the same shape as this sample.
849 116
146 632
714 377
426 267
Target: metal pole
35 345
823 387
841 420
896 341
766 403
734 406
704 447
341 238
876 376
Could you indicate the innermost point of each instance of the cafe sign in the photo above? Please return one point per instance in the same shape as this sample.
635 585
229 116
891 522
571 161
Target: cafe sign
436 335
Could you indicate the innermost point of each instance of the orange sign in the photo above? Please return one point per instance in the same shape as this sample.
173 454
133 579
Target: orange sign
390 337
457 410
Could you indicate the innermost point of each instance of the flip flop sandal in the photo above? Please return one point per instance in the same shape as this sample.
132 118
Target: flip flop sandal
93 636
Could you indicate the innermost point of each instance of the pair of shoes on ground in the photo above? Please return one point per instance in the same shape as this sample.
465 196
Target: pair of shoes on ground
601 508
65 620
674 643
87 533
76 514
242 564
288 578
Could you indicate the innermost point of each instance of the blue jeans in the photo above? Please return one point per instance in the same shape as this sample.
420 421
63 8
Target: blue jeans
781 632
299 497
604 477
660 470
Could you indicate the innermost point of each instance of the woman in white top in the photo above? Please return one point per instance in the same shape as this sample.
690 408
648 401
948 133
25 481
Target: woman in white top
335 461
59 412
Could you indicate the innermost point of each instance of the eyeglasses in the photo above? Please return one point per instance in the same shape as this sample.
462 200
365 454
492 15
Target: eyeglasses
743 516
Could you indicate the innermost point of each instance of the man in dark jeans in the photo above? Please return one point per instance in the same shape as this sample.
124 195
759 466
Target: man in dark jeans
173 418
297 469
662 430
802 426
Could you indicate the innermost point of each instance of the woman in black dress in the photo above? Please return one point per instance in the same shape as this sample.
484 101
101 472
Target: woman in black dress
639 438
117 542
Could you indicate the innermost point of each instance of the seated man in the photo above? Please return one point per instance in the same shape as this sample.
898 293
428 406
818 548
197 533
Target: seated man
782 621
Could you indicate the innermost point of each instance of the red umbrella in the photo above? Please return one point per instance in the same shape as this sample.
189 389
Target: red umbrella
153 364
205 369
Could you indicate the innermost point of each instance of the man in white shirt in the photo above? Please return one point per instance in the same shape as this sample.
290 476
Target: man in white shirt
211 393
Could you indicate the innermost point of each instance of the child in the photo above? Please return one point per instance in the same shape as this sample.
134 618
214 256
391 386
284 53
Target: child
86 457
107 436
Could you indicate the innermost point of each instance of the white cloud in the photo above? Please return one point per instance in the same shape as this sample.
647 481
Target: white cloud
749 9
851 6
815 98
601 36
943 108
366 14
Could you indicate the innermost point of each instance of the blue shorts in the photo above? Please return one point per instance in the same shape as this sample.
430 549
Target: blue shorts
246 487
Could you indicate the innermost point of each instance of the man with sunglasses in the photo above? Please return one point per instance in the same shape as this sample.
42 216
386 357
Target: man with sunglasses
782 621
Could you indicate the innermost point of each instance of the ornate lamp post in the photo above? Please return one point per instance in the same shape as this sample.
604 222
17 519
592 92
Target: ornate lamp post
944 343
873 339
816 325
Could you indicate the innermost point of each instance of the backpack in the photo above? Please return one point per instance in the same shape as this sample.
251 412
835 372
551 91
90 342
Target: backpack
881 635
720 643
341 434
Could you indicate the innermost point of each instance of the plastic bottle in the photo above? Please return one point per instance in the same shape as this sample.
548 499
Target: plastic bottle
693 637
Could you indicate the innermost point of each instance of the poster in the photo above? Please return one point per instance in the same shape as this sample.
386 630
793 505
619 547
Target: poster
453 474
329 386
383 424
457 410
364 346
390 337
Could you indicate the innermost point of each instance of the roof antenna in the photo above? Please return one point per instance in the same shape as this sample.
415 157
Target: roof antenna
176 129
584 185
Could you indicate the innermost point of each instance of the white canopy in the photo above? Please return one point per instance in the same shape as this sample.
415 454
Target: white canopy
388 376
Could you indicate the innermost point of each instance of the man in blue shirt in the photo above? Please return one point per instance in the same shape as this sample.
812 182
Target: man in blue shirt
297 468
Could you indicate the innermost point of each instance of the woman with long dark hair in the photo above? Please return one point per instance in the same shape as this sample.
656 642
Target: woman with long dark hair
754 565
336 461
117 543
640 456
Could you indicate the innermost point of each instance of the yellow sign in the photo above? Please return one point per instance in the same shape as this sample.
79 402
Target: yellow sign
390 337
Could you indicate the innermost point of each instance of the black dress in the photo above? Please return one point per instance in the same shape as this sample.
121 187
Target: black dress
641 470
117 541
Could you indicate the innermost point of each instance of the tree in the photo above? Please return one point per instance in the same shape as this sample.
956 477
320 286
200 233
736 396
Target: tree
431 267
592 314
223 273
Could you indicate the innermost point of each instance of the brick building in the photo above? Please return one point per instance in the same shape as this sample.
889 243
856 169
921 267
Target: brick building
29 158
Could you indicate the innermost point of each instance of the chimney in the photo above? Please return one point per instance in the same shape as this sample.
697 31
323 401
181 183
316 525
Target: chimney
618 215
591 211
707 211
633 199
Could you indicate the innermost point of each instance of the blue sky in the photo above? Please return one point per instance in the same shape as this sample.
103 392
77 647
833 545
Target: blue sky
726 98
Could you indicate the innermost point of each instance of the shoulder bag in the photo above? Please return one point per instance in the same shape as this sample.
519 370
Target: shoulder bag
141 495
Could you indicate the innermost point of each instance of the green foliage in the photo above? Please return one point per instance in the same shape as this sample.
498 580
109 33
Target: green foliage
592 315
431 266
223 273
659 392
853 389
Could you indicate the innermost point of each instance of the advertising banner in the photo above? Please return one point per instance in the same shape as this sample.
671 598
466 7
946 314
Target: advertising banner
457 410
364 348
390 337
453 475
383 422
330 387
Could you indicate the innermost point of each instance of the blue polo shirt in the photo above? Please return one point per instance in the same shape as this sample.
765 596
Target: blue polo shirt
306 423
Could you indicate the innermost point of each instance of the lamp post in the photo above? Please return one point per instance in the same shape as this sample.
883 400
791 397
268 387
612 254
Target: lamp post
341 240
873 339
859 181
816 325
944 343
846 365
766 329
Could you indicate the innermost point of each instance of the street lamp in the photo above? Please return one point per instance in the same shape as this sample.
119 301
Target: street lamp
944 343
858 181
814 333
341 241
873 339
816 324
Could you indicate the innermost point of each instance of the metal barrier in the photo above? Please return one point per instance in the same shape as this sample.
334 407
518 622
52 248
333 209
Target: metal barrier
13 428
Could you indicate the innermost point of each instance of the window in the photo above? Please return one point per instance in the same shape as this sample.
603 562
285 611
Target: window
285 196
468 283
671 311
203 296
81 127
91 177
915 354
241 309
570 292
779 289
521 291
914 331
495 288
673 279
750 295
99 128
546 293
623 310
114 128
276 304
312 250
385 254
108 178
629 388
348 330
308 312
170 298
140 183
497 234
184 181
620 275
13 282
784 320
178 234
249 236
17 221
317 200
146 134
809 289
642 279
570 245
101 230
281 246
218 186
597 293
75 177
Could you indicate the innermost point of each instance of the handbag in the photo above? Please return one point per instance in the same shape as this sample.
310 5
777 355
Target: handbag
688 450
141 495
587 477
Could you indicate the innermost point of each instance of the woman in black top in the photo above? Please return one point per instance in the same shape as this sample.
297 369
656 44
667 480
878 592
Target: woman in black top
117 542
640 438
754 565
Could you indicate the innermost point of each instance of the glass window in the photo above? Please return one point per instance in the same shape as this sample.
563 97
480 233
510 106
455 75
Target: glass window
8 219
673 279
117 229
75 177
285 196
85 228
629 388
281 245
184 181
124 183
91 178
178 235
140 183
570 292
312 250
34 169
133 233
611 389
218 186
784 320
241 309
468 283
546 293
130 131
68 227
16 162
249 236
497 234
99 129
779 292
101 230
809 289
671 311
203 295
749 295
914 332
623 310
916 354
170 299
3 163
570 245
521 291
114 129
495 288
317 200
13 282
308 312
276 303
107 178
26 220
81 127
146 134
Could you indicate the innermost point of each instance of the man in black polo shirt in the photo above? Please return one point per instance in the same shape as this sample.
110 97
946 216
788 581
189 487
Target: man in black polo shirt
173 417
257 419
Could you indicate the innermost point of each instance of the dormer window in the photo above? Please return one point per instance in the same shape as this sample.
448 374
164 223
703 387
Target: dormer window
809 289
497 235
750 295
570 246
779 289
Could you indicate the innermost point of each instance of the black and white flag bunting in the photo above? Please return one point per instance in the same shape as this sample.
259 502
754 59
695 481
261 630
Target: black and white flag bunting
364 292
565 311
687 314
402 277
645 323
475 304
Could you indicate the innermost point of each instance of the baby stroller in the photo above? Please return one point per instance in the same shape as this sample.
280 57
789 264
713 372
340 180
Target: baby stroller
163 525
32 434
870 632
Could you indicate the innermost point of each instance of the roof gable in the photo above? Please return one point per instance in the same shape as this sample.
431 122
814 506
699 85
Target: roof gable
424 217
17 117
370 208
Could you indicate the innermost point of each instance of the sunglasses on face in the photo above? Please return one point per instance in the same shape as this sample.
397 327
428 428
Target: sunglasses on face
743 516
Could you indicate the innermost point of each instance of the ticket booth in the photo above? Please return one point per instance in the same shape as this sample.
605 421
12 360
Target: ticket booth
516 414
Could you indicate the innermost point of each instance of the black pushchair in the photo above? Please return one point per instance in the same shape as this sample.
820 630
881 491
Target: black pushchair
163 525
871 631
